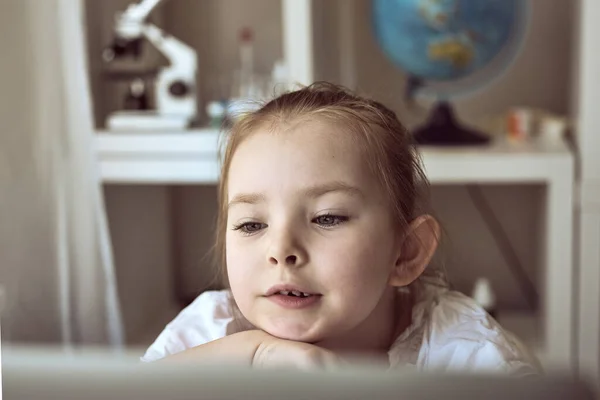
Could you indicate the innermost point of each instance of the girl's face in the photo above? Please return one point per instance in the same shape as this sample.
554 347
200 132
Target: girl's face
306 216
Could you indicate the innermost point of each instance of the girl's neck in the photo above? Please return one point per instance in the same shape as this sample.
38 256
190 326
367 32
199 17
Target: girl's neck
375 335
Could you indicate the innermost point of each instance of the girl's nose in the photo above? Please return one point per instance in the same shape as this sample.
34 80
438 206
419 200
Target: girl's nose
286 250
290 260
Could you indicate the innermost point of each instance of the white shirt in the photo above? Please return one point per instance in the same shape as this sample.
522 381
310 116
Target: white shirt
449 332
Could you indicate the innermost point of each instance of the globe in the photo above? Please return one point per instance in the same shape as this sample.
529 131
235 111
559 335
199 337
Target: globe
449 48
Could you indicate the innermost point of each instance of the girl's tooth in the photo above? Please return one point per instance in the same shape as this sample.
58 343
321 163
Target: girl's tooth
293 292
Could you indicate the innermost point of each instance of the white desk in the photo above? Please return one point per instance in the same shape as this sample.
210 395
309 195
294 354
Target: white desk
190 158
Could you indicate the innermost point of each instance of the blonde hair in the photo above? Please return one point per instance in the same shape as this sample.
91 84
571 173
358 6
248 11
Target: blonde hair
386 143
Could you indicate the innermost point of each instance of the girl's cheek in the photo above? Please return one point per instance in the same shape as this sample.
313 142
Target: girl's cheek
241 264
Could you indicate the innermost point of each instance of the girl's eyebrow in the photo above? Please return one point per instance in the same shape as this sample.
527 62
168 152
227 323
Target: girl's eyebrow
335 186
312 192
246 198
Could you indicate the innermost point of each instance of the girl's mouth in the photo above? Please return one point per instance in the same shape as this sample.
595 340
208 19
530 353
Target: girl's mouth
292 297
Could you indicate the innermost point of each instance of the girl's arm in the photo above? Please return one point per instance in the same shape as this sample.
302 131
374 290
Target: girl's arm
240 348
258 349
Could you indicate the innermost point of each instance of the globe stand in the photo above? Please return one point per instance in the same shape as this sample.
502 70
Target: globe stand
442 128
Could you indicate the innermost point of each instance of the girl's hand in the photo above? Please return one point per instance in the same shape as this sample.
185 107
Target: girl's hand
277 353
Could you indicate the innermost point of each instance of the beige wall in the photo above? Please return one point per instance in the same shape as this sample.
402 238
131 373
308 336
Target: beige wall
139 222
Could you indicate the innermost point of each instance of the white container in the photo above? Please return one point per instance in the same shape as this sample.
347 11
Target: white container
552 129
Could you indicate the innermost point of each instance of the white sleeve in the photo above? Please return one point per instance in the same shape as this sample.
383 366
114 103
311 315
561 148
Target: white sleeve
460 336
207 318
484 356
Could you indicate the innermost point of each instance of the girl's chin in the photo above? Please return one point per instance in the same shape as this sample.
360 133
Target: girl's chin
294 334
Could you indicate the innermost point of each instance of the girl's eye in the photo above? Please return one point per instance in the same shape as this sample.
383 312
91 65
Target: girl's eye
329 220
249 227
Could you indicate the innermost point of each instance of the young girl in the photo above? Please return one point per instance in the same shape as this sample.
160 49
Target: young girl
325 249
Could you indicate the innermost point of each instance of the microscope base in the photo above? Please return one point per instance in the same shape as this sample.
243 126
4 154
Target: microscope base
146 121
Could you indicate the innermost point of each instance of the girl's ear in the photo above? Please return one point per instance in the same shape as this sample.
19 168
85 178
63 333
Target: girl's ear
416 248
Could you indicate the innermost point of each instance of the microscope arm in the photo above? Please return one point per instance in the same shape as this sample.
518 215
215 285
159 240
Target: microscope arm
140 11
180 55
129 24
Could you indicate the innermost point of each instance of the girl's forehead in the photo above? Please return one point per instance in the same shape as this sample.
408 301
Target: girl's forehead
299 154
309 139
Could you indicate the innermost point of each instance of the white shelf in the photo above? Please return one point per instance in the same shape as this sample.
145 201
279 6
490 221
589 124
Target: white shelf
158 157
501 162
191 158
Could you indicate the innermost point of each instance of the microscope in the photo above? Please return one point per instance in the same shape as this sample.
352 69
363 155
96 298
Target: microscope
175 84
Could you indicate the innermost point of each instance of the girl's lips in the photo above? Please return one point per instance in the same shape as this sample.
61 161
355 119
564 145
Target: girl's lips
294 302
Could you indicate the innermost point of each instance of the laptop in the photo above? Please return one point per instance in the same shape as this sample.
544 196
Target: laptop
37 375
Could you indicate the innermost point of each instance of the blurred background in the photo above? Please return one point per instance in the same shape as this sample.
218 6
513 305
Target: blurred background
110 113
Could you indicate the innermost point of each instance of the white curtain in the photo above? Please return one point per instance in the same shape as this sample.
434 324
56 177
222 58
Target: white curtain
56 262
